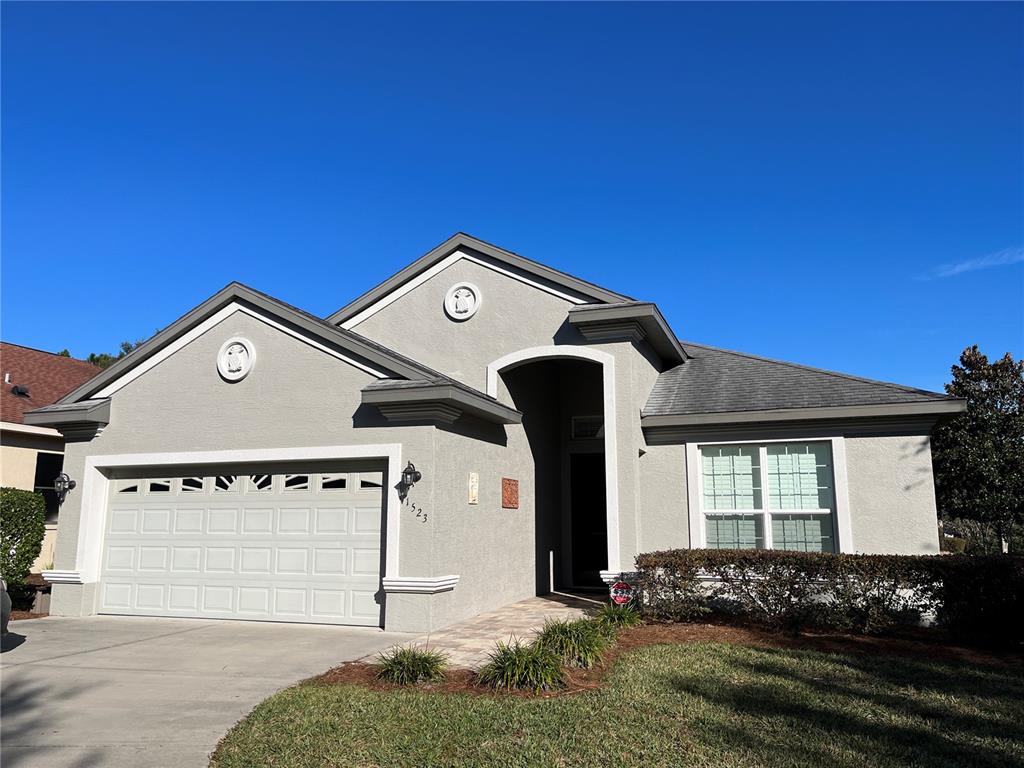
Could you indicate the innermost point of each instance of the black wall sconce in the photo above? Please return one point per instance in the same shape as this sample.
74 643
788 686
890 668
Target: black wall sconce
61 485
410 476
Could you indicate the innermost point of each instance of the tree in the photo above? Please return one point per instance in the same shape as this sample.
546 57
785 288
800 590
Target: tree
105 359
979 455
64 353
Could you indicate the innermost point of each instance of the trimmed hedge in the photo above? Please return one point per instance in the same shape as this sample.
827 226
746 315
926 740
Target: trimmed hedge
22 527
978 598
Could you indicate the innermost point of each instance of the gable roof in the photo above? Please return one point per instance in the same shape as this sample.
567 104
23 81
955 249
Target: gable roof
464 242
720 382
46 376
390 363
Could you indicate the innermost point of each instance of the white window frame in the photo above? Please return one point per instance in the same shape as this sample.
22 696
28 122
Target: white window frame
695 491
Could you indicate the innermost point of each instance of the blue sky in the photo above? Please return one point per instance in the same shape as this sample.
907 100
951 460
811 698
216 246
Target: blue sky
836 185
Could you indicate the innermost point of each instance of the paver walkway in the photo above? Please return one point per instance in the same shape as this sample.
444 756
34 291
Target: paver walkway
468 642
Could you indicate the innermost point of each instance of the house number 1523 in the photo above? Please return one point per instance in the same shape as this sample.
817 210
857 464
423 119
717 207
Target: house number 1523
421 514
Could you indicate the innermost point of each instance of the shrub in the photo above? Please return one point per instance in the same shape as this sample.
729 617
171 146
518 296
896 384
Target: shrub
22 527
978 597
580 643
670 586
408 666
618 616
524 666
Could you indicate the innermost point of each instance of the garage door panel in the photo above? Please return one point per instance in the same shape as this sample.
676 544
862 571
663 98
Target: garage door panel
296 546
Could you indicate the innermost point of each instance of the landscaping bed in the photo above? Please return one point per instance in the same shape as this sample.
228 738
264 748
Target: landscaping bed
667 695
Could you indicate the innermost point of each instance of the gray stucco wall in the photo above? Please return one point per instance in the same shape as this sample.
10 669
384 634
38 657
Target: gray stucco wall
295 396
512 316
892 495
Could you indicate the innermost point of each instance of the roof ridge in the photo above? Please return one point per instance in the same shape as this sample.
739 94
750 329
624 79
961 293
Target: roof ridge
825 371
47 352
464 240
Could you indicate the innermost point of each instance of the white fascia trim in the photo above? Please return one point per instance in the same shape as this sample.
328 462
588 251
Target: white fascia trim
421 585
694 481
442 265
29 429
611 424
63 577
210 322
95 490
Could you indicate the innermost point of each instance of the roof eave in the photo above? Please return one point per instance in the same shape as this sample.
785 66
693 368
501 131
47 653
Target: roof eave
444 399
937 408
656 329
236 292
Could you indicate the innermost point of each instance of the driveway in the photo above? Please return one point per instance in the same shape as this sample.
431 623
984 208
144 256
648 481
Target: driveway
112 691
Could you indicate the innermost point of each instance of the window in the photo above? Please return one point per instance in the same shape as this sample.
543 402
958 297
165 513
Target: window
771 496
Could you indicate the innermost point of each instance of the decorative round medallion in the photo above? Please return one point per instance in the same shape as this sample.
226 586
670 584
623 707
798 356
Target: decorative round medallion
462 301
235 359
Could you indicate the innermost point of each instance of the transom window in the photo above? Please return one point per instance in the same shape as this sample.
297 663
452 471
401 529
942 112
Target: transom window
770 496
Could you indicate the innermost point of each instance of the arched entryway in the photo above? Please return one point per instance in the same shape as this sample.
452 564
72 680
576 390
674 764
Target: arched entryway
566 395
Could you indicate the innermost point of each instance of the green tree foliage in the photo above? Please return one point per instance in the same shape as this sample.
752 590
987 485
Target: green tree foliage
105 359
64 353
22 527
979 456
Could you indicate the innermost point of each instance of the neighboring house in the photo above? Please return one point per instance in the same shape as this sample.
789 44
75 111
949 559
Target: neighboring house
252 461
32 456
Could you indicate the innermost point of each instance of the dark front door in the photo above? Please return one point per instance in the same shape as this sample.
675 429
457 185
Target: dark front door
589 523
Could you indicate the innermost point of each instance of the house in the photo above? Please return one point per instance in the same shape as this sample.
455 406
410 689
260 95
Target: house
476 429
32 456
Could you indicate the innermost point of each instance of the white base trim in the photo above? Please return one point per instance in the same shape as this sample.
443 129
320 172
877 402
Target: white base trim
424 585
610 577
63 577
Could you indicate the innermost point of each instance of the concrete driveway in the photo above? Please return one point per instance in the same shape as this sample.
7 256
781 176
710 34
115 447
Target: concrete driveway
112 691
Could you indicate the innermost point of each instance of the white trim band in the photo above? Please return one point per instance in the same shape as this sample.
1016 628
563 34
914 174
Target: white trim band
63 577
420 585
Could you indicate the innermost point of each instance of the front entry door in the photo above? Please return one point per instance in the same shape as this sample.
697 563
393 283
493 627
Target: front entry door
589 521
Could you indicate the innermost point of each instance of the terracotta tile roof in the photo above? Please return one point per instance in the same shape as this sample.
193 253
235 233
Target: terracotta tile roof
46 376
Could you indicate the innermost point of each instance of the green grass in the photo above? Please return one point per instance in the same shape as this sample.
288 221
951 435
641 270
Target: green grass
618 616
670 705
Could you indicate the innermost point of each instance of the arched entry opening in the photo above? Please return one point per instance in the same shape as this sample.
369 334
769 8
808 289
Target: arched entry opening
565 395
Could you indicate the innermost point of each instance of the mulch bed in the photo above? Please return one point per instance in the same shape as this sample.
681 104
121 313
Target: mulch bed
921 645
21 615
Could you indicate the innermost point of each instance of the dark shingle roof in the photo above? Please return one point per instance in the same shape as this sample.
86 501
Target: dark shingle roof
721 381
46 376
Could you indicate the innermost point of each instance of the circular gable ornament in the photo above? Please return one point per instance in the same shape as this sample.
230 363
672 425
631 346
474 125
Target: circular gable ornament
462 301
235 359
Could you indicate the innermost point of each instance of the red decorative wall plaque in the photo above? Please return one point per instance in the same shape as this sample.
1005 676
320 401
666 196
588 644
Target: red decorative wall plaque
509 493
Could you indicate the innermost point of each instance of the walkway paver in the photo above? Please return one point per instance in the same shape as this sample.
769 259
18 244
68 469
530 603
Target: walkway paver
468 642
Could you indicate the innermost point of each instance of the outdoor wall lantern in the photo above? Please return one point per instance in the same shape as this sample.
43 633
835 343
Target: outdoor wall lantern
410 476
61 485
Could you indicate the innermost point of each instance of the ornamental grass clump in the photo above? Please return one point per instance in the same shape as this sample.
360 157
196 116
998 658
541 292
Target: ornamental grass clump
581 643
517 665
616 617
409 666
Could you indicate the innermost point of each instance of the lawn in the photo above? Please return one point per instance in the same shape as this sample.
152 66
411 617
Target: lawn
699 704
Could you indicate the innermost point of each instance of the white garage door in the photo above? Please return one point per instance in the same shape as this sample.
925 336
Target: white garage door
302 546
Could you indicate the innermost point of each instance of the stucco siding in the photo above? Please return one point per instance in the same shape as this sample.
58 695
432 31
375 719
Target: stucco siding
295 396
892 495
512 316
663 502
